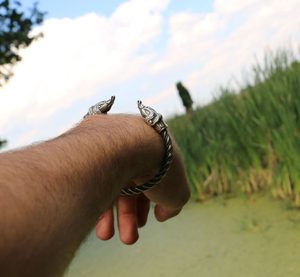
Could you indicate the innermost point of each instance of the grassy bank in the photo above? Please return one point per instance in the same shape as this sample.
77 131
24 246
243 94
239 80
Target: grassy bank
247 140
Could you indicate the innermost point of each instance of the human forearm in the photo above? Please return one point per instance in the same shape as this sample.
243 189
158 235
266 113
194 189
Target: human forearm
53 192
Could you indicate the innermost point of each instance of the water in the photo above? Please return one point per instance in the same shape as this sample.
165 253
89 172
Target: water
237 237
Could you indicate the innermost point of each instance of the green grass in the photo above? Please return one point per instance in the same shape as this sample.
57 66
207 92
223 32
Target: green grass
248 139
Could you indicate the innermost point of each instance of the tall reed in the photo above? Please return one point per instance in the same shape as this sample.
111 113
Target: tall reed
247 139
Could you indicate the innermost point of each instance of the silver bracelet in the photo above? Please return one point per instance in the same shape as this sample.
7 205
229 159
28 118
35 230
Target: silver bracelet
101 107
155 120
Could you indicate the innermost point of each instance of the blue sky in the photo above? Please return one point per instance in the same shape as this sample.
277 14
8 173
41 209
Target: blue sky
136 49
75 8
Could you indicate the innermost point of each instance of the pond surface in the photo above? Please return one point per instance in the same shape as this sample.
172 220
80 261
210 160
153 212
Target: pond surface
237 237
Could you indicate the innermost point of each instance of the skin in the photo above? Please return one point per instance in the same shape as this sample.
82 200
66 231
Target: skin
52 193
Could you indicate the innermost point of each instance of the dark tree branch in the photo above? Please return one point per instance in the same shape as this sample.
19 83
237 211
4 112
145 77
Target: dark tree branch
15 27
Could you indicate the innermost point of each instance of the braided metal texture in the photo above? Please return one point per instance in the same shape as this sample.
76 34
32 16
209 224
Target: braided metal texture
156 121
167 161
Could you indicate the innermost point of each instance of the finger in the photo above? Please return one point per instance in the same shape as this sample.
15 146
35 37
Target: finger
143 207
105 226
163 213
127 219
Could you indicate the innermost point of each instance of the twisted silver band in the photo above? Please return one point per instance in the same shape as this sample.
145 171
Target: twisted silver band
165 165
155 120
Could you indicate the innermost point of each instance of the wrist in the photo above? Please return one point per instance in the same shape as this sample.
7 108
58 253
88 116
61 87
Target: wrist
133 148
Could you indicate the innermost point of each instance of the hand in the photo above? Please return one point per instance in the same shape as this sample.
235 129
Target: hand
132 211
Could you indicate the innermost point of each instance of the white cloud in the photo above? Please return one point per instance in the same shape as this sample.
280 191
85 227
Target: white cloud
190 35
236 6
78 57
226 40
26 137
153 100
